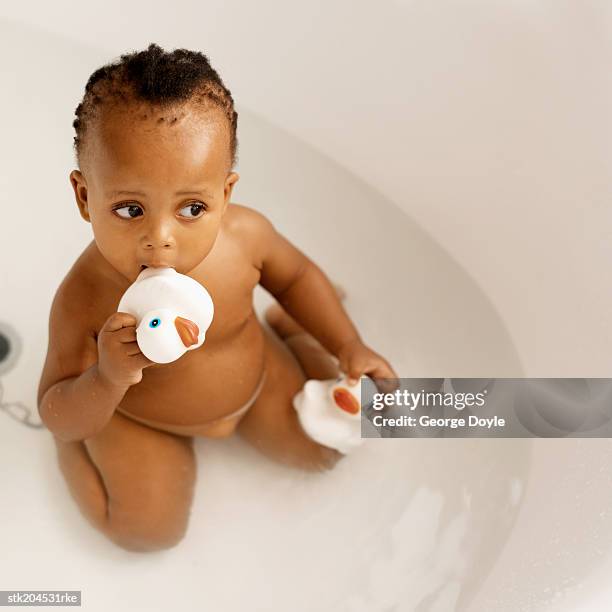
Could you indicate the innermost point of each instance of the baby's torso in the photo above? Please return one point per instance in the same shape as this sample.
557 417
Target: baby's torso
207 383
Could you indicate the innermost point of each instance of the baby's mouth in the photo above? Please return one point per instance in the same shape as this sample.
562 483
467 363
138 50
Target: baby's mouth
145 267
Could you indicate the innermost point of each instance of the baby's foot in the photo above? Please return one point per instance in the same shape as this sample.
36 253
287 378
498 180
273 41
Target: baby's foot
284 324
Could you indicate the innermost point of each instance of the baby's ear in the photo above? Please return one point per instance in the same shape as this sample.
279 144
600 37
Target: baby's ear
80 192
230 181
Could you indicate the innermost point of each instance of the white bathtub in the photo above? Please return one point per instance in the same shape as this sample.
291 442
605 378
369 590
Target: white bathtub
441 525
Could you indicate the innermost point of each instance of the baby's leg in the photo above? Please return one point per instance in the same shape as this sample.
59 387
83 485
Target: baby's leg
133 483
271 425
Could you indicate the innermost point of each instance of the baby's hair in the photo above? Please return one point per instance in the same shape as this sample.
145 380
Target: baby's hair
157 77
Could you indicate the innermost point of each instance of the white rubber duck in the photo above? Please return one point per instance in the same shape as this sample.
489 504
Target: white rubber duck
173 311
330 412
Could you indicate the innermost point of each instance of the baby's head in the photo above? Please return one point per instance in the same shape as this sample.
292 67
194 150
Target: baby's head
156 146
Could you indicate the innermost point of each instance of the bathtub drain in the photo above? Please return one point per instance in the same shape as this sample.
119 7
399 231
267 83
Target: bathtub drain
10 348
5 347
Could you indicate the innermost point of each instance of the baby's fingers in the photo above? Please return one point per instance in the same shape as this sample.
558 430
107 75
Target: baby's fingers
132 348
125 334
118 320
383 375
145 362
355 370
381 370
140 359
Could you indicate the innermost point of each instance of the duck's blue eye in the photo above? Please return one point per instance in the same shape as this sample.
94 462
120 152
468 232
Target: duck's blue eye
155 323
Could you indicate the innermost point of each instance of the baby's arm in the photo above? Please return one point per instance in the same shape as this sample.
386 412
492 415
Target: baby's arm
73 400
306 293
76 399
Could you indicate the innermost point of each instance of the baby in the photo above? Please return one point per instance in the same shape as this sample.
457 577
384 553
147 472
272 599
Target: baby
156 144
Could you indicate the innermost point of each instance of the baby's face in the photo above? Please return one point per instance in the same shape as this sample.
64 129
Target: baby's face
155 192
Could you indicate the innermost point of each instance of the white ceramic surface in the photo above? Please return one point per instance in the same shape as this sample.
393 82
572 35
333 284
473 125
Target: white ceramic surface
400 524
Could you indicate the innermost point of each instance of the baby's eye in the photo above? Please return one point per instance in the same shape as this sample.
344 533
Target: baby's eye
130 209
194 207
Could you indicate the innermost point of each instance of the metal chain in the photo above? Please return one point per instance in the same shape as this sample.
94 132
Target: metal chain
19 411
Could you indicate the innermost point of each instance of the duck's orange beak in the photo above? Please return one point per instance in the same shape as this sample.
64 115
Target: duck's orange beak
345 400
187 330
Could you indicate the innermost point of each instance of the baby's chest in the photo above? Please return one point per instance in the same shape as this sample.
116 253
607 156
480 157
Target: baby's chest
231 286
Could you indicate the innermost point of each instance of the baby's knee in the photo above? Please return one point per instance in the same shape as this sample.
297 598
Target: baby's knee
146 537
156 523
154 544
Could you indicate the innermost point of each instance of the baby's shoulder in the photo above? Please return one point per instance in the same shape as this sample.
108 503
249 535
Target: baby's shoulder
245 220
77 282
83 291
248 227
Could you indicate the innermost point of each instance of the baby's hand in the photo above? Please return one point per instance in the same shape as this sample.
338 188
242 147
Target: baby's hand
120 360
357 359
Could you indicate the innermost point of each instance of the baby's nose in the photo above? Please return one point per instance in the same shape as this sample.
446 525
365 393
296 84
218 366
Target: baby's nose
158 234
